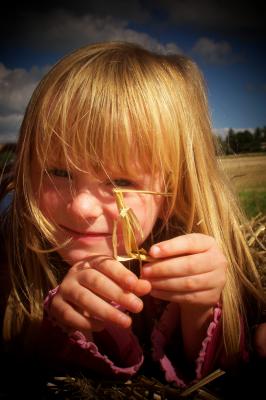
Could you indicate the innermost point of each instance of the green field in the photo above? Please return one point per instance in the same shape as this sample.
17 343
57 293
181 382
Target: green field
248 176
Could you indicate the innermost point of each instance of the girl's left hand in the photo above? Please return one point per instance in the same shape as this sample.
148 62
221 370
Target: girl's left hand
191 269
260 340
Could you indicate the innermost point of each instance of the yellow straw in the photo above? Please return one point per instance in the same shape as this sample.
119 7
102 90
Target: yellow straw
130 225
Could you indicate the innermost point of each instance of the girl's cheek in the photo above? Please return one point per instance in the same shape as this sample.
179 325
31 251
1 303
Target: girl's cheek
49 202
113 211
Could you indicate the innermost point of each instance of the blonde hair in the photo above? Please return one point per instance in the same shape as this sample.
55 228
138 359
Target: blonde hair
95 106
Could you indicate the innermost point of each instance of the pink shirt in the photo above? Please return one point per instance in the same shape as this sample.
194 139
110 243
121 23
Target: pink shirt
118 352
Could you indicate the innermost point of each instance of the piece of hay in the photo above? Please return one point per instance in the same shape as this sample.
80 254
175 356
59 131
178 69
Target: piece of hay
130 227
255 234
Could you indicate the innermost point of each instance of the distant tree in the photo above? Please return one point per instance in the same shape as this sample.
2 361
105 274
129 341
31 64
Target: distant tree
221 145
258 137
244 140
263 131
258 134
231 142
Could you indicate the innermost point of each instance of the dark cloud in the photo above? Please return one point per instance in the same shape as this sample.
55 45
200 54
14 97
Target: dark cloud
62 31
22 17
136 10
233 16
215 52
247 18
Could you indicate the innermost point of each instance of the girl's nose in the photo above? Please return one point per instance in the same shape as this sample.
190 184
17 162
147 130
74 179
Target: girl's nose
85 205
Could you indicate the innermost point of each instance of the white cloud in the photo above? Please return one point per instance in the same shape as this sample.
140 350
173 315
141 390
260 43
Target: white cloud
16 87
60 31
9 127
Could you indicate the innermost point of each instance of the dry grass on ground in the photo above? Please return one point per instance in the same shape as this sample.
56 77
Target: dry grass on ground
247 175
246 171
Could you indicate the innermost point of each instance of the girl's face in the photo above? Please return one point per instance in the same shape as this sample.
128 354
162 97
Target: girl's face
83 208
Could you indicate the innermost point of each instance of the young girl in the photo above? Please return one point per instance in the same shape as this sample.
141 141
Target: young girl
116 116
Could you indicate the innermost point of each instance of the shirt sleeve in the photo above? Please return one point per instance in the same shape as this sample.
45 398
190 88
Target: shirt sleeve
113 351
168 349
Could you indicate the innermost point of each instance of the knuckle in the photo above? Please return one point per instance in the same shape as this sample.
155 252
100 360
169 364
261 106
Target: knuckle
110 314
101 263
191 298
66 315
190 283
191 240
125 298
120 297
82 298
94 279
190 264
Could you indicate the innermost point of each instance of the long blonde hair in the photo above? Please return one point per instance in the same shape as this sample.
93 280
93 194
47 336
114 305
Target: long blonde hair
98 103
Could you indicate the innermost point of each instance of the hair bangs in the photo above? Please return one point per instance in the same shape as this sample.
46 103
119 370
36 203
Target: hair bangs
115 125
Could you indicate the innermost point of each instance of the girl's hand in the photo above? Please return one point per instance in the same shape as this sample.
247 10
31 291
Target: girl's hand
191 269
260 340
83 300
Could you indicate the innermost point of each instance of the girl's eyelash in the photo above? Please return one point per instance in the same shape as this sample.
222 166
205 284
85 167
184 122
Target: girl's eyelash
63 173
58 172
122 182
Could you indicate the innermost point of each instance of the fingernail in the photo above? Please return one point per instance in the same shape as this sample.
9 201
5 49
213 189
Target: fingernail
130 281
155 251
137 304
146 271
124 320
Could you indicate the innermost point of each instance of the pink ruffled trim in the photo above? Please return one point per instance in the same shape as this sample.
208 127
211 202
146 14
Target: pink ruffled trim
47 305
87 344
160 337
210 332
79 338
47 301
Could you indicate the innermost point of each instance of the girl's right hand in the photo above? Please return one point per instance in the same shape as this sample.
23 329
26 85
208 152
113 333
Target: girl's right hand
83 300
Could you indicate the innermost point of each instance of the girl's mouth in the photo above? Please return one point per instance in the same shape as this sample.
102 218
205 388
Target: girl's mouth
86 234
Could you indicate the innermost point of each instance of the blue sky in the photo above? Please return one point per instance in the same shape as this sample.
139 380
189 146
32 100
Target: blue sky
225 38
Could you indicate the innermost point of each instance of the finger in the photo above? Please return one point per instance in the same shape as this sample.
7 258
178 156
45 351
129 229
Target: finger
104 287
100 309
206 297
69 319
179 266
120 274
260 340
185 244
190 283
142 287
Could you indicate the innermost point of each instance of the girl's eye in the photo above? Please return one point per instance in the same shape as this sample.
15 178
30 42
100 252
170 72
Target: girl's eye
60 173
122 182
